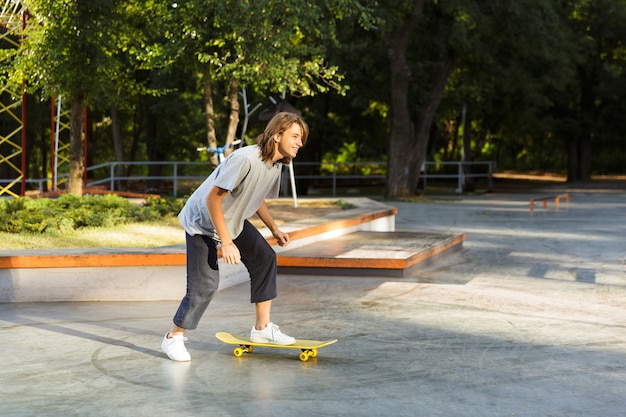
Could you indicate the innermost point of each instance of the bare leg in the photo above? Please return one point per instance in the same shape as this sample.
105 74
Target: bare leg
263 310
176 331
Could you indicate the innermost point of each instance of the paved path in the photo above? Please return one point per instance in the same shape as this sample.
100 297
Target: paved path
529 319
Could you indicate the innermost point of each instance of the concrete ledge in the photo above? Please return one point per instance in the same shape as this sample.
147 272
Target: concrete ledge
65 260
385 253
379 217
158 273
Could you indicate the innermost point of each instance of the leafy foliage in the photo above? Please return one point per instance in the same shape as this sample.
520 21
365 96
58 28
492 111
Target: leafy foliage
536 82
71 212
265 45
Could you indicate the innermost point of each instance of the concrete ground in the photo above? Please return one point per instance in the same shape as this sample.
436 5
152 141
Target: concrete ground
528 319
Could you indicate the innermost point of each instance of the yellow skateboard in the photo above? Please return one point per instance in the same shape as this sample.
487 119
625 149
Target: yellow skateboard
308 347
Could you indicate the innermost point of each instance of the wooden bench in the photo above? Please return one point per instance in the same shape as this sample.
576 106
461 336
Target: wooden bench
556 198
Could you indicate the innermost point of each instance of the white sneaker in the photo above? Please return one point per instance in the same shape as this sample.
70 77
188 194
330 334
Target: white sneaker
272 335
175 349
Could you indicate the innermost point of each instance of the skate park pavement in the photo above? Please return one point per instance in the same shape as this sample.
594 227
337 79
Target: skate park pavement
527 319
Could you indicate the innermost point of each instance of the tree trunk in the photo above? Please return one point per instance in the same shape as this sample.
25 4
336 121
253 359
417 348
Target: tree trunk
468 183
572 161
138 118
209 113
408 142
401 131
426 118
579 163
77 160
588 113
116 135
155 151
579 160
233 119
585 152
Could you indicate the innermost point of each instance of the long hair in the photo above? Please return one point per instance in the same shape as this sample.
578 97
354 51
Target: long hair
277 126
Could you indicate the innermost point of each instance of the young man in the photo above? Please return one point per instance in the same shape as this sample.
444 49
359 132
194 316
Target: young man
217 213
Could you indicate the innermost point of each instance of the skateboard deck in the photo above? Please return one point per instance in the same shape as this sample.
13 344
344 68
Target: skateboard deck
308 347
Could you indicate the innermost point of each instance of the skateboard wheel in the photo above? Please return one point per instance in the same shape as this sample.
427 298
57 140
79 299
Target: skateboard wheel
238 352
314 353
304 356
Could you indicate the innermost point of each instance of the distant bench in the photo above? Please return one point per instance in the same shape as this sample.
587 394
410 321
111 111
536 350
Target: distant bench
556 198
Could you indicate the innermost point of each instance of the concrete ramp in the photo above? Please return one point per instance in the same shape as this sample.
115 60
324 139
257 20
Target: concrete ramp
392 253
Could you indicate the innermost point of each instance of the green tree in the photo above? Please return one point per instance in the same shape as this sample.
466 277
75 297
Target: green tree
81 50
427 43
594 106
503 91
267 46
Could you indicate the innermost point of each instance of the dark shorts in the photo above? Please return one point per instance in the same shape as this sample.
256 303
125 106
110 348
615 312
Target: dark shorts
203 273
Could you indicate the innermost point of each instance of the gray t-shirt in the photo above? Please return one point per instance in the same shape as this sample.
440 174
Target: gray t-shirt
249 181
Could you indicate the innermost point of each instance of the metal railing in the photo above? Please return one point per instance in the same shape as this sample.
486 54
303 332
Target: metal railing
175 176
181 171
39 183
461 175
336 171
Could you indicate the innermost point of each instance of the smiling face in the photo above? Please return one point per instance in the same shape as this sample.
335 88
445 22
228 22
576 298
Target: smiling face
288 143
283 136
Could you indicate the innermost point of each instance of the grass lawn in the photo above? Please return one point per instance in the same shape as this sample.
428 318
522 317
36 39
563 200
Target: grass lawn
134 235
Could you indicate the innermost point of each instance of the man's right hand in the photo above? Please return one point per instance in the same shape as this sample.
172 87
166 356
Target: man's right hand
231 254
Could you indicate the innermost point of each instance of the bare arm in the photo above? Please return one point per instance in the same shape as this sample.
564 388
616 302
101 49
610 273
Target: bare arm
230 252
266 217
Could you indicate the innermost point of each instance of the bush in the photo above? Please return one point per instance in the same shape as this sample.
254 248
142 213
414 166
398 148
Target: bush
156 208
70 212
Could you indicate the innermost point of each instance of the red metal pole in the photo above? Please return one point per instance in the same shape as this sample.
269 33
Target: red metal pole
85 144
52 140
24 160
